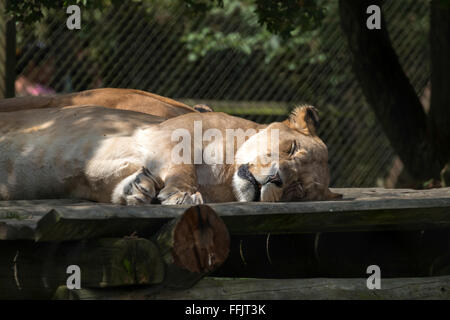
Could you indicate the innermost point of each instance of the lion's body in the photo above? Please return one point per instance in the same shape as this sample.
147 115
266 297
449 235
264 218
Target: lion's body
124 99
119 156
66 152
84 152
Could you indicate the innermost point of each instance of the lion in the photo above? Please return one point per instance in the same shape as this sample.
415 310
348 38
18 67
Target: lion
126 157
124 99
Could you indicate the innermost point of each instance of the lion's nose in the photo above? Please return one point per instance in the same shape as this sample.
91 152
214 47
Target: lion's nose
275 179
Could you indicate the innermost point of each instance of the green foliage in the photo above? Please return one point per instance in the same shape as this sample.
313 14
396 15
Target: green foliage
252 37
29 11
223 53
275 28
279 16
284 16
203 5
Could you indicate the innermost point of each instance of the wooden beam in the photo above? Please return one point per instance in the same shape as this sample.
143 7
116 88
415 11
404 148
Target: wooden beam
181 253
360 210
30 270
338 254
16 229
276 289
18 219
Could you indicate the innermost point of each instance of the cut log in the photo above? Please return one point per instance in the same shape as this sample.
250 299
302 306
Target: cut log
35 270
107 262
275 289
192 245
184 250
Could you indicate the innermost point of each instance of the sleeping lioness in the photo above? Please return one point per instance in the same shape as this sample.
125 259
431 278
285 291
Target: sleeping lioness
115 98
126 157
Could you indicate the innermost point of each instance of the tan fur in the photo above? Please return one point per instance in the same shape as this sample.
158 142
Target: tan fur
124 99
302 119
120 156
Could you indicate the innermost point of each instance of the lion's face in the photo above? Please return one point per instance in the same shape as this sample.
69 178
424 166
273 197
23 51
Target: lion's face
297 172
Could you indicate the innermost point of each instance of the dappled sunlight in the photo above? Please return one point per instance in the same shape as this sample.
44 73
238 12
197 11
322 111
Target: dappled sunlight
36 128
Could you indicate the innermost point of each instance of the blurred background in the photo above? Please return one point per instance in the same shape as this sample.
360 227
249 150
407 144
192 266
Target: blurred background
227 60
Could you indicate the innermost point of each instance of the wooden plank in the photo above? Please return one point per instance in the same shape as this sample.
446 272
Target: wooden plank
70 223
42 203
276 289
311 289
360 210
18 219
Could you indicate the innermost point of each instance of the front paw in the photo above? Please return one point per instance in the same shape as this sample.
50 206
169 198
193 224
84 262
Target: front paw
181 197
140 188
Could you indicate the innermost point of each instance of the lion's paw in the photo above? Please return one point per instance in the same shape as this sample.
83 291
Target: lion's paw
140 188
180 197
197 198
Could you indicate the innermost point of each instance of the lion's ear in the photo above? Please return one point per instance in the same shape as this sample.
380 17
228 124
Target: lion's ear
304 119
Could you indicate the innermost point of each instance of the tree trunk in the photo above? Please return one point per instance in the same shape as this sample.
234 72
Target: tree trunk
440 75
389 92
7 53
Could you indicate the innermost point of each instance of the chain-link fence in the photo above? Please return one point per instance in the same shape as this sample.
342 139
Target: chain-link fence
226 60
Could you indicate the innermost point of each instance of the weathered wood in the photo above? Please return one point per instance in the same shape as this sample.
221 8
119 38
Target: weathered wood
276 289
192 245
108 262
33 270
18 219
19 277
16 229
63 293
184 250
89 221
312 289
44 204
339 254
360 210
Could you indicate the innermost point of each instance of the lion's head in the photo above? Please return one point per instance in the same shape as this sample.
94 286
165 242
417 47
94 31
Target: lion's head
297 172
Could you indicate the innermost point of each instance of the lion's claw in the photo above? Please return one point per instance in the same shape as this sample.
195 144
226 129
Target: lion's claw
180 197
141 188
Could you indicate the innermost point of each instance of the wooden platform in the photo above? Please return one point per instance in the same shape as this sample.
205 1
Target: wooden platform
431 288
291 250
360 210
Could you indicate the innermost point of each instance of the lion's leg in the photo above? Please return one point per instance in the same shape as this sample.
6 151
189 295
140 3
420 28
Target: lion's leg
139 188
180 186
